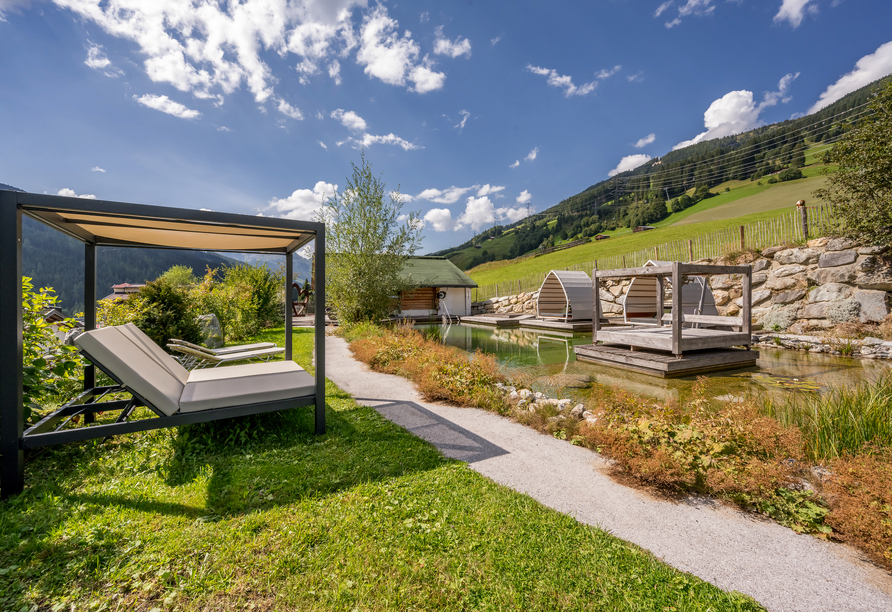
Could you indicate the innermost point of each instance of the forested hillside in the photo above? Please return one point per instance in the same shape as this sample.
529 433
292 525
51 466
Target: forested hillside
673 183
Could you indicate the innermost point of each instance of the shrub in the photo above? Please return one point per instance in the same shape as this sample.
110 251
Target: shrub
772 180
180 276
168 313
843 311
50 368
779 317
790 174
119 312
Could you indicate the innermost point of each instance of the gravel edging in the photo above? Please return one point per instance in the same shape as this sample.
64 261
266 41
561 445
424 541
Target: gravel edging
732 550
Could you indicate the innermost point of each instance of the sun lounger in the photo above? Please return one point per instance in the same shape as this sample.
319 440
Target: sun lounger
156 380
194 356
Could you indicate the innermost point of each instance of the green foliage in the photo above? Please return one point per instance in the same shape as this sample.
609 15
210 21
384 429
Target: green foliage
266 288
862 187
772 180
119 312
368 246
50 368
168 313
180 276
790 174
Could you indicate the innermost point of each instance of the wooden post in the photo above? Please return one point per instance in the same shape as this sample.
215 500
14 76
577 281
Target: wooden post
624 262
676 309
803 212
660 300
747 284
596 305
690 250
742 241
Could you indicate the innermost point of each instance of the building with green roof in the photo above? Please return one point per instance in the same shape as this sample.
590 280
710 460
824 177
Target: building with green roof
439 288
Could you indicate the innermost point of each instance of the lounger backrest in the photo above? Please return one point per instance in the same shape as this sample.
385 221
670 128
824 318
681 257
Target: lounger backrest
139 337
139 370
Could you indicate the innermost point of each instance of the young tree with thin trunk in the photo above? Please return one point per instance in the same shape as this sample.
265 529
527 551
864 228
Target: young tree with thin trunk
368 241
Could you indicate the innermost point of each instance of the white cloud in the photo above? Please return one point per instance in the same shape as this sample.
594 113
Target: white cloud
495 41
444 46
69 193
464 119
513 214
166 105
303 203
794 11
97 60
97 169
322 144
635 78
13 6
288 110
425 17
489 189
565 82
868 69
515 164
445 196
524 197
392 58
478 212
605 74
737 112
629 162
349 120
645 141
223 128
368 140
404 197
440 219
532 154
662 8
334 71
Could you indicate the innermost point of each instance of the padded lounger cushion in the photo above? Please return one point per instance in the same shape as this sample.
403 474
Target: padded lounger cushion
238 385
138 369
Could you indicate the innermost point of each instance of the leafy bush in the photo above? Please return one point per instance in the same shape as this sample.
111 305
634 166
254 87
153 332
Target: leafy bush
168 312
779 317
119 312
266 287
180 276
843 311
50 368
790 174
772 180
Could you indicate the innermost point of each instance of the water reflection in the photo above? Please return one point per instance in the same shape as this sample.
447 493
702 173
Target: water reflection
548 358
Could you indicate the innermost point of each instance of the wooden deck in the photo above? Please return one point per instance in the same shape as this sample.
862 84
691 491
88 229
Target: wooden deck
661 338
660 364
550 324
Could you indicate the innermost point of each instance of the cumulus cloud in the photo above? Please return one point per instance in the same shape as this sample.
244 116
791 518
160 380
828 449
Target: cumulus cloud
303 203
368 140
97 60
515 164
737 112
349 120
69 193
166 105
288 110
464 119
532 154
479 211
868 69
605 74
629 162
489 189
643 142
794 11
440 219
524 197
444 46
444 196
97 169
563 81
393 58
211 49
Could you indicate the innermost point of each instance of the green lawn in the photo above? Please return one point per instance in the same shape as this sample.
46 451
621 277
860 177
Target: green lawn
260 514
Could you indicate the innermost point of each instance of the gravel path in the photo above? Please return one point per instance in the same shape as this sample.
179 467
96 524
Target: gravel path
734 551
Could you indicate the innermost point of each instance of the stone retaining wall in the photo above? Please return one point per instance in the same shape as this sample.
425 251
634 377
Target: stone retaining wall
810 288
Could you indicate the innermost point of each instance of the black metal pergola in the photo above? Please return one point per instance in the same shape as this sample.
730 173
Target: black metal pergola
103 223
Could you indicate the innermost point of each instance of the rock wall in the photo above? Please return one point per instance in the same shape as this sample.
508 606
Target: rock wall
810 288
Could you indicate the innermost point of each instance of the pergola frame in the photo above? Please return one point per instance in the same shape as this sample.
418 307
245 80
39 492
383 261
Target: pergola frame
104 223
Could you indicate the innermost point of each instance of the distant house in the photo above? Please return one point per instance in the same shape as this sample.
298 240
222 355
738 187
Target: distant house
643 228
123 291
439 288
602 237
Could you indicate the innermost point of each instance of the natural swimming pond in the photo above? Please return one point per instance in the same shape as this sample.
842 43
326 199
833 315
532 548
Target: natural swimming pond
548 359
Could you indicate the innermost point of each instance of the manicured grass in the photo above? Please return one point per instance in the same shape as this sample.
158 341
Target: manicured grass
260 514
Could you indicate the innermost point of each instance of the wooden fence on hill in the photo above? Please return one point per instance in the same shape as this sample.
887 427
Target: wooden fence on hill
791 228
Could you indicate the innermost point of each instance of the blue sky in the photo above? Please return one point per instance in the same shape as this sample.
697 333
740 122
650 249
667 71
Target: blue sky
478 111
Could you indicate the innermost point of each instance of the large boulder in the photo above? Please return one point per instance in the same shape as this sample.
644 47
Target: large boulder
840 274
840 244
782 284
878 279
787 297
606 296
797 256
831 259
872 250
818 243
759 278
789 270
874 305
771 251
814 311
760 264
211 330
830 292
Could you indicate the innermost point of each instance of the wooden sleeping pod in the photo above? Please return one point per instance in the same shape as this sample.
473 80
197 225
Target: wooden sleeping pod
565 295
642 298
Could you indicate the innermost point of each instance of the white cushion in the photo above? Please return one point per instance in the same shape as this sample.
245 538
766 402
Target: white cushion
252 383
139 338
126 358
